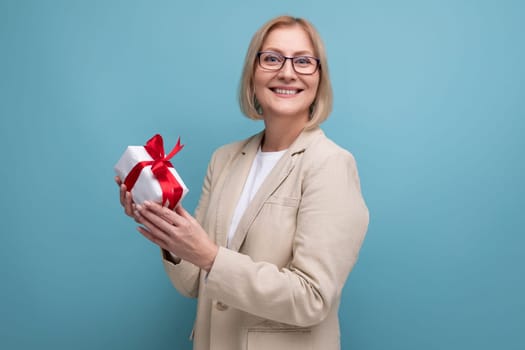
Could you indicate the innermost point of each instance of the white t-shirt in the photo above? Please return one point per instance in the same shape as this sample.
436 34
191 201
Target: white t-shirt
261 167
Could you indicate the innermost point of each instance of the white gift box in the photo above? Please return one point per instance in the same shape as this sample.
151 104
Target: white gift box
147 186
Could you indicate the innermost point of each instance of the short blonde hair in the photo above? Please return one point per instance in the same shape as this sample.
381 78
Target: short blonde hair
322 105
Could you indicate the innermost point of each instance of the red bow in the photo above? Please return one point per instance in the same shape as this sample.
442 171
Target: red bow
171 189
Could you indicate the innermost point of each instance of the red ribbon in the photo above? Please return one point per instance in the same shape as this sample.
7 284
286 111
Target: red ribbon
171 189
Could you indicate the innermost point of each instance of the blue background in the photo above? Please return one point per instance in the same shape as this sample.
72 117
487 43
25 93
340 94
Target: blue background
429 96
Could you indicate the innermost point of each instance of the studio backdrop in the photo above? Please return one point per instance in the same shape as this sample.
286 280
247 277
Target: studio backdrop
429 97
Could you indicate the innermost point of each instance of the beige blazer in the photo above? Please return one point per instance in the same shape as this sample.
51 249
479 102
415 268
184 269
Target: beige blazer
279 285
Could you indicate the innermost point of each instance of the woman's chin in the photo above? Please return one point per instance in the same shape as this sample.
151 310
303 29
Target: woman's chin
288 113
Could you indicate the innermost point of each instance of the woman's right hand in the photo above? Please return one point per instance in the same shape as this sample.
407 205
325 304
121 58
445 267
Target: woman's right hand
125 198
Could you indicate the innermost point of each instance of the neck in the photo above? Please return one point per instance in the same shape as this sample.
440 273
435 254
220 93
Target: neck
279 134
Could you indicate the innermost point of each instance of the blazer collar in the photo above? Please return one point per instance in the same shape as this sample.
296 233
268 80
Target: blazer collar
234 185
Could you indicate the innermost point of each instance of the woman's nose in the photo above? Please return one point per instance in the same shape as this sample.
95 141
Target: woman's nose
287 71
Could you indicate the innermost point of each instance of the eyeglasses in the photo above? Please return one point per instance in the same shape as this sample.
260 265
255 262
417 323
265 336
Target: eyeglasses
274 61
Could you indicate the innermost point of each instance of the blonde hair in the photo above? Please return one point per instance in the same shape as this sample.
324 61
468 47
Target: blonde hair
322 105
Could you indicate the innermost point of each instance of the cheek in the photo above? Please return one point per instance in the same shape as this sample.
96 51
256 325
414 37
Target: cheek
315 83
312 82
259 78
314 87
258 86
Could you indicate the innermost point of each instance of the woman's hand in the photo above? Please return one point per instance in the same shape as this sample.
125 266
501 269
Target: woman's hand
175 231
125 198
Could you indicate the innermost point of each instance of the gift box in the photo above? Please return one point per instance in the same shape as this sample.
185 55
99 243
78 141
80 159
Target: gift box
148 173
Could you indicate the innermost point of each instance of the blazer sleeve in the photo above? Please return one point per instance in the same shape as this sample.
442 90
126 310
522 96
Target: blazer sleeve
184 275
332 220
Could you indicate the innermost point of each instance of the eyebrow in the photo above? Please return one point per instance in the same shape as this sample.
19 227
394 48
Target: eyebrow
296 53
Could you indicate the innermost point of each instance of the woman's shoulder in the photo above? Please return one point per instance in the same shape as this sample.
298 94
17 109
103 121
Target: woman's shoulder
324 148
237 146
233 149
324 157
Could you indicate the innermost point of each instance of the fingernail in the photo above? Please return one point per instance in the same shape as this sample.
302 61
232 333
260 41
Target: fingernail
147 203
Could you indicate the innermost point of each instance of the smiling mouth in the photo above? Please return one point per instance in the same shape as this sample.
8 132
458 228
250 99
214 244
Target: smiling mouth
286 91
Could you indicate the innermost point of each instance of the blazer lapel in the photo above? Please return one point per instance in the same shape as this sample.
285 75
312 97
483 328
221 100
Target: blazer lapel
233 186
276 177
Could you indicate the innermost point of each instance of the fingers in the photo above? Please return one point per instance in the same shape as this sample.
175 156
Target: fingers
155 208
118 180
162 237
129 204
125 197
126 200
156 240
167 214
122 194
156 221
181 211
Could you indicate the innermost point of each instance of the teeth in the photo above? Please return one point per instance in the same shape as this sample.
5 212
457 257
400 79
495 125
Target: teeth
285 92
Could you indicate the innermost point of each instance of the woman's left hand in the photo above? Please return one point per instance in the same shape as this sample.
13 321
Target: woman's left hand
177 232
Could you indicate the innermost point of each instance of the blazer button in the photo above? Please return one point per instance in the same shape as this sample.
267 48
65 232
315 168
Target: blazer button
221 306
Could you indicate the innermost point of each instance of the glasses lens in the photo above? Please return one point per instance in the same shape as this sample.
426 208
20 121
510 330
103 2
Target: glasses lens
305 64
271 60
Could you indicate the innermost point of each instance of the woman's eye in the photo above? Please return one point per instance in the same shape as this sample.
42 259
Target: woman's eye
271 58
304 61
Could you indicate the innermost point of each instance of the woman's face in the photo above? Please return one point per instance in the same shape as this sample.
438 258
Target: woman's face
285 93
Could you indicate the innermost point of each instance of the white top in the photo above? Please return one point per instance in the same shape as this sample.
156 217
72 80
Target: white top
263 163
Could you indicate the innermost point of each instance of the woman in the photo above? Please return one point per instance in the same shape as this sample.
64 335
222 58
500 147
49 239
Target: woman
281 218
